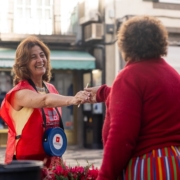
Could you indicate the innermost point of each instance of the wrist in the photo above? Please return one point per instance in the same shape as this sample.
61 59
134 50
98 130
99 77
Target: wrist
69 101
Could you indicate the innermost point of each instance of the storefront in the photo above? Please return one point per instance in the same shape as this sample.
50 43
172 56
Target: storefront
68 68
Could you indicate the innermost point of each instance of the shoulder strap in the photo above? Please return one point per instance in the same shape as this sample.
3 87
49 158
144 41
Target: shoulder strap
60 123
43 113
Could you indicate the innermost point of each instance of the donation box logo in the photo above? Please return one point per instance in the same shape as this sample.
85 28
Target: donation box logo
57 141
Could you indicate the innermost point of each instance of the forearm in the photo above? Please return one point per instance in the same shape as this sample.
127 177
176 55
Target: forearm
103 93
56 100
30 99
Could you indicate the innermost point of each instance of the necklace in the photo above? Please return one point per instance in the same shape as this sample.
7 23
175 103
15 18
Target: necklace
40 89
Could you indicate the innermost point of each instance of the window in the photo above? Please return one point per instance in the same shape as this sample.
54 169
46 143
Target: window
19 12
47 2
165 1
5 22
28 12
19 2
35 15
170 1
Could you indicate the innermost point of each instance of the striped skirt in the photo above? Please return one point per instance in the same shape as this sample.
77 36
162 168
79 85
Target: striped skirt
160 164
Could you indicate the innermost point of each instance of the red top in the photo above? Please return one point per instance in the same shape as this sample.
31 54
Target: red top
29 146
142 114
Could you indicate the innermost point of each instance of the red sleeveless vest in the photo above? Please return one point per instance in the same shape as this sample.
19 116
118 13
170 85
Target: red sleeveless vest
29 146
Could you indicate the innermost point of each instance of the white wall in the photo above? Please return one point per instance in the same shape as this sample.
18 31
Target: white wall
173 57
121 8
140 7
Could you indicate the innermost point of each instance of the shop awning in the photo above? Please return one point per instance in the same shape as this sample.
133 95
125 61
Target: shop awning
59 59
72 60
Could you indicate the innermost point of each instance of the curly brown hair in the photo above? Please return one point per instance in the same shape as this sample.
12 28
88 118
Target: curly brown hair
22 58
142 38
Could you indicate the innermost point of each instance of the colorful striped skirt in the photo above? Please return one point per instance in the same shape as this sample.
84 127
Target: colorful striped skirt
160 164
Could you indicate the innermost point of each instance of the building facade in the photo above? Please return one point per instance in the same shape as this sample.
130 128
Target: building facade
21 18
117 11
97 24
83 49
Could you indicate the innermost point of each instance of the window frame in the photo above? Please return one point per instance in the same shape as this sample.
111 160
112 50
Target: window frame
34 23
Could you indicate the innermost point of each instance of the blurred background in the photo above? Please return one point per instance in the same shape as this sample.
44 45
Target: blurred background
81 35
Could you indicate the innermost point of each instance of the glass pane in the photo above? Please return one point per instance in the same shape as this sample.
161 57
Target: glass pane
19 2
47 2
86 79
47 14
28 2
28 12
39 13
39 2
19 12
97 77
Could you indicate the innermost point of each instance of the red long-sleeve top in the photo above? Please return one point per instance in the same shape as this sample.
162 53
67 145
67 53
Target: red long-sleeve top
142 114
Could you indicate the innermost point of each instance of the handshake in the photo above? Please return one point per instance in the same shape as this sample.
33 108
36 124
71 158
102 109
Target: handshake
87 96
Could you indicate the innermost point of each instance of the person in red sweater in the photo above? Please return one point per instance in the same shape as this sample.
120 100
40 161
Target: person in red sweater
141 131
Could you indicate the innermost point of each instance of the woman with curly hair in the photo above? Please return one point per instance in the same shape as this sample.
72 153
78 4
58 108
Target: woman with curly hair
141 131
33 105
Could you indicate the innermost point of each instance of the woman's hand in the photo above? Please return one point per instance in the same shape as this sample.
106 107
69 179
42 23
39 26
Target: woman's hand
92 93
81 97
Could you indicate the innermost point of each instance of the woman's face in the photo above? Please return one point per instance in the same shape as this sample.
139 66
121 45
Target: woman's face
38 62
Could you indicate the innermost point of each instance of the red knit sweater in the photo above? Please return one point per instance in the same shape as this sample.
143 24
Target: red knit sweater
142 114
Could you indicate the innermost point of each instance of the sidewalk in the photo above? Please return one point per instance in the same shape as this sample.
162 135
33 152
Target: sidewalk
74 156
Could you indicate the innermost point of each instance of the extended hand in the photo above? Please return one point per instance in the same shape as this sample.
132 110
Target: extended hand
81 97
92 93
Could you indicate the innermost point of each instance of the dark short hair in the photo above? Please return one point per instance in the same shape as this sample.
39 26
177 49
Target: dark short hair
22 58
143 38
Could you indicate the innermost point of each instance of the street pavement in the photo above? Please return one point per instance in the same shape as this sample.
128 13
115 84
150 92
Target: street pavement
75 156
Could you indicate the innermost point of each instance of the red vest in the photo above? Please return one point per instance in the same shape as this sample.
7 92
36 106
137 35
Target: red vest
29 146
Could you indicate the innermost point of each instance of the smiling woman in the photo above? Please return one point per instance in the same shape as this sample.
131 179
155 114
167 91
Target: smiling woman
26 107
